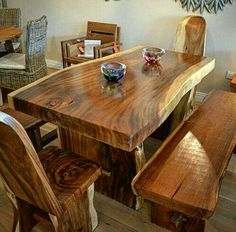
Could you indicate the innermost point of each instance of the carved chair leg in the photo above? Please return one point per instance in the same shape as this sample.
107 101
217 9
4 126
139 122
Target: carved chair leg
75 218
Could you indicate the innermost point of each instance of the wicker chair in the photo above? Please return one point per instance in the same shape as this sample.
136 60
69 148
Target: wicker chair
11 17
18 70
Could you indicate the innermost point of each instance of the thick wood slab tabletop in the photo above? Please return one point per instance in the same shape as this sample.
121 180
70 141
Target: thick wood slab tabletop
123 116
185 174
8 33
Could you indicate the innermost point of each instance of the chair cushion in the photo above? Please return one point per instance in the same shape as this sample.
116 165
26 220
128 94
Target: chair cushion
16 45
13 61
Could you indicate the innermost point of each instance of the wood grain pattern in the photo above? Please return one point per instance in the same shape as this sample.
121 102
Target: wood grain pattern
56 181
9 33
175 221
106 32
185 174
190 38
29 170
190 35
233 82
119 166
32 126
25 120
124 119
117 217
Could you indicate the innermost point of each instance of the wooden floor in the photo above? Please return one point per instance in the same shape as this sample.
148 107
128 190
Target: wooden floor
115 217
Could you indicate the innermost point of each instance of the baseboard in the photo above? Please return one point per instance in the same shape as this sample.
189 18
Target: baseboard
200 96
54 64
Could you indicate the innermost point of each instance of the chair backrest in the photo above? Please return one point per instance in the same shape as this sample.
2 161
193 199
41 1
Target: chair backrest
106 49
21 169
191 35
35 44
10 17
106 32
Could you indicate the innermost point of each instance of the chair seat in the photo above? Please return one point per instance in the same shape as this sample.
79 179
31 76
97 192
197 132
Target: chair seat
16 45
69 175
13 61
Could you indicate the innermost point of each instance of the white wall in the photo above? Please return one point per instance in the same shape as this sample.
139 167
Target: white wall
148 22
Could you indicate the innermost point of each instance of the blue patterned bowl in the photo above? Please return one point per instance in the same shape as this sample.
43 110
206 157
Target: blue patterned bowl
113 71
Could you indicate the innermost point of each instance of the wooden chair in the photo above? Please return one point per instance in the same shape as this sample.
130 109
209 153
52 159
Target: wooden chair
106 49
190 35
32 126
105 32
51 186
190 38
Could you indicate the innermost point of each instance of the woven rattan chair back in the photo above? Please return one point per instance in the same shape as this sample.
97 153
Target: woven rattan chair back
21 169
35 44
11 17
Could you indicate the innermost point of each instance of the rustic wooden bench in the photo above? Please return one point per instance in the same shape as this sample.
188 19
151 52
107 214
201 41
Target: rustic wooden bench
184 176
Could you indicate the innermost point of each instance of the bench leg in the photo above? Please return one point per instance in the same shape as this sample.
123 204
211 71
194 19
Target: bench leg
175 221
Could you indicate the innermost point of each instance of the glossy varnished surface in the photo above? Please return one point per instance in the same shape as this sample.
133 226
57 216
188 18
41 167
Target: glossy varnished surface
79 98
190 35
186 173
55 181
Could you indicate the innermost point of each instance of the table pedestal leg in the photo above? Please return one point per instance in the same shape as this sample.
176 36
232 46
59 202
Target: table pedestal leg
182 111
119 167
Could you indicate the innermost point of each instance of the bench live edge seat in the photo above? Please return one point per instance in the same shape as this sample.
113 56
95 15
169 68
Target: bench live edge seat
185 174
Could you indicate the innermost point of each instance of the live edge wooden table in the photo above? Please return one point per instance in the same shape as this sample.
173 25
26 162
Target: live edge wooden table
108 123
7 34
